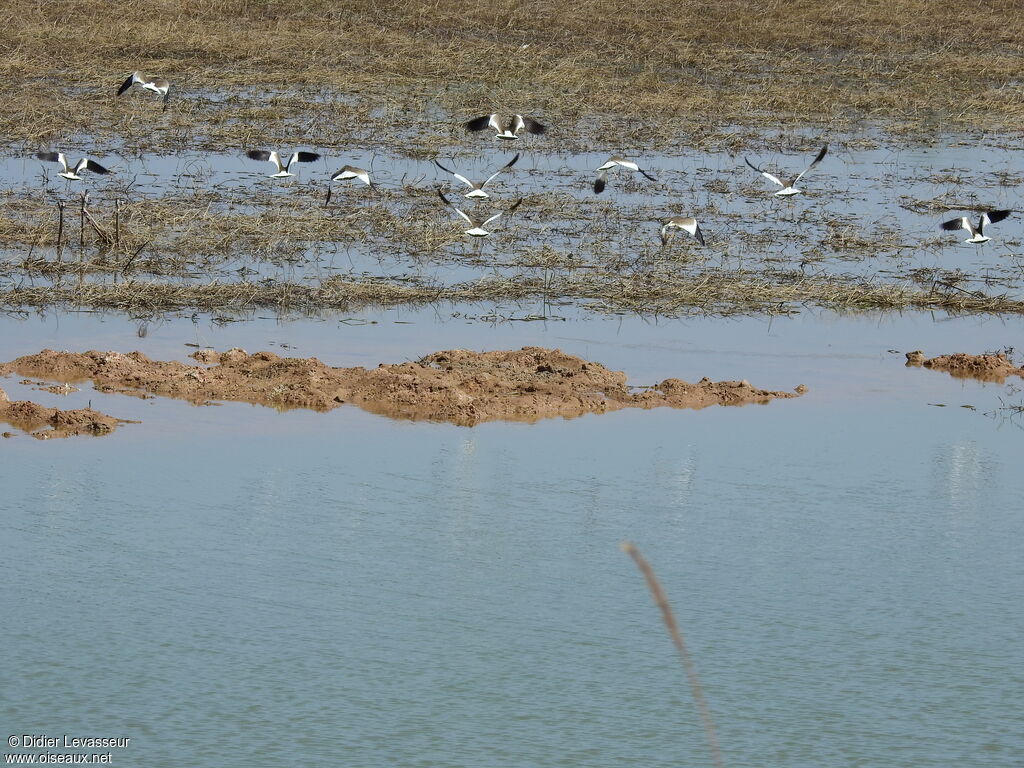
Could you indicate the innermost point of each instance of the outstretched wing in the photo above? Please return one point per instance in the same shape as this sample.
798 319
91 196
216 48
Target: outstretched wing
646 174
499 215
814 162
50 157
505 167
599 182
770 177
961 222
304 157
478 123
531 125
126 84
361 174
449 204
991 217
458 176
259 154
95 167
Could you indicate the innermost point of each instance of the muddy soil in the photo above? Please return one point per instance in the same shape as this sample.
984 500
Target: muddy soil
994 368
47 423
457 386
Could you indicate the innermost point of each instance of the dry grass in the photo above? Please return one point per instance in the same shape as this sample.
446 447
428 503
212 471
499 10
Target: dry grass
329 73
667 291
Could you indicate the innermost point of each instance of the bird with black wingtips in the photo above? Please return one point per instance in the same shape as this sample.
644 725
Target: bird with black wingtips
282 167
789 188
507 126
477 226
978 235
476 188
344 174
71 172
686 224
613 162
157 85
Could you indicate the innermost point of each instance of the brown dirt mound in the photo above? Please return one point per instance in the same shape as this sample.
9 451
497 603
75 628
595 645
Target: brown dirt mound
456 386
963 366
46 423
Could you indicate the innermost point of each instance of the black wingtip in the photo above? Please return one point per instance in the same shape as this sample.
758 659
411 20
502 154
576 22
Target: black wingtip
477 123
599 185
952 223
446 170
125 85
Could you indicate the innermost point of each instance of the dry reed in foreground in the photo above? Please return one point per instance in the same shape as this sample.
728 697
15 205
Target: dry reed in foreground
677 639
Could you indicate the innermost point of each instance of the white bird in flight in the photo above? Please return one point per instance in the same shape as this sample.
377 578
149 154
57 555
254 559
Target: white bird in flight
788 187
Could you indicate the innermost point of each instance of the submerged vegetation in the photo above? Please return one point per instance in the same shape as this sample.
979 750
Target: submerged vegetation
401 77
667 292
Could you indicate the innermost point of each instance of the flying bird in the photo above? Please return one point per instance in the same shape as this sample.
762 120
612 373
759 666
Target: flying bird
789 187
71 172
348 172
684 223
275 158
157 85
507 126
476 188
611 162
977 232
477 227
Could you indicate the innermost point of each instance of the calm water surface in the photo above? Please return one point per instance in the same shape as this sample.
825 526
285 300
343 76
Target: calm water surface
232 586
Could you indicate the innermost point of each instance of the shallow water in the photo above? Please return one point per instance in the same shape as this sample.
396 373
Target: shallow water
235 586
869 208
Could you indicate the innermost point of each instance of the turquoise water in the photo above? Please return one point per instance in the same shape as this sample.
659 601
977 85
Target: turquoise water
233 586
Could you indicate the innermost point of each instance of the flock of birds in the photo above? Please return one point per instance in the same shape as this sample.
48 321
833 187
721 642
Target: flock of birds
507 128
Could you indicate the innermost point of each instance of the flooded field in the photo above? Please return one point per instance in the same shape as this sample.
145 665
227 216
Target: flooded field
344 586
336 483
211 231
